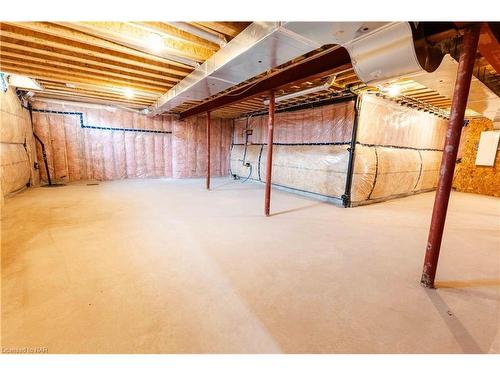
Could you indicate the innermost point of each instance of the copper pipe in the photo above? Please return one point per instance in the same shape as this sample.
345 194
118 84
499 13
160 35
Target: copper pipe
457 114
208 150
269 163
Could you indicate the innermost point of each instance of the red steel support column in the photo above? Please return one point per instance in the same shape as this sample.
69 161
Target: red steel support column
208 150
269 163
459 103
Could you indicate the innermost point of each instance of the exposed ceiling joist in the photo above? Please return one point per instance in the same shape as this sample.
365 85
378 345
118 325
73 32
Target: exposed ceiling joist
54 53
102 59
172 29
79 99
489 45
7 54
6 61
63 38
126 34
73 79
227 28
92 90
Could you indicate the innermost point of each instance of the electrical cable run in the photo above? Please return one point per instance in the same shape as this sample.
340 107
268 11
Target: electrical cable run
83 126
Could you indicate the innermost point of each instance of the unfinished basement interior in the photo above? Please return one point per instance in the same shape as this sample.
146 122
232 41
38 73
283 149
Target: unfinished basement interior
250 187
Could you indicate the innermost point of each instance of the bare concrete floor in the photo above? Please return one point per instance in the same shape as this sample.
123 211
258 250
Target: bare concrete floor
162 266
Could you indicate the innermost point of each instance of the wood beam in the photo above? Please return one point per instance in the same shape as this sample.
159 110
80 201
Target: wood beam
77 99
98 90
173 32
95 73
319 65
76 37
60 73
74 79
27 48
110 89
137 38
6 53
62 44
227 28
85 95
489 46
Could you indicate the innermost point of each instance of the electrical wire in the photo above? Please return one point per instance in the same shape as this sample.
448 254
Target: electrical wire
249 174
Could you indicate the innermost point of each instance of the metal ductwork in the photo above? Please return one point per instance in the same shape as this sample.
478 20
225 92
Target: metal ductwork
185 26
379 51
442 80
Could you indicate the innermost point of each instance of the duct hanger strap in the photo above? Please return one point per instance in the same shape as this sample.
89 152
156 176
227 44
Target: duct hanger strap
83 126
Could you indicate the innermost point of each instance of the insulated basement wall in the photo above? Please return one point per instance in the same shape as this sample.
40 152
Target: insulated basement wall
469 177
122 144
310 149
17 145
190 151
398 151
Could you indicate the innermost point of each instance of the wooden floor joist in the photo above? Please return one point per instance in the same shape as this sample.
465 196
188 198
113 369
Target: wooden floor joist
102 59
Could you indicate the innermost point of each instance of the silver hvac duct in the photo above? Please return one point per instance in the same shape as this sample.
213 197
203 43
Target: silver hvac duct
379 51
219 40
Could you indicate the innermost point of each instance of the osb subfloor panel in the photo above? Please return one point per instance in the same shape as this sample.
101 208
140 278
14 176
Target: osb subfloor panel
162 266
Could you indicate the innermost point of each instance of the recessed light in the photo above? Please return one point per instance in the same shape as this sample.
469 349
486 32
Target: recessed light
129 93
70 85
155 43
394 90
391 90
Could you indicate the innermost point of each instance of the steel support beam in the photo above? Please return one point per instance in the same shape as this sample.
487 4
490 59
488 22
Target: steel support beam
459 103
208 150
323 64
269 162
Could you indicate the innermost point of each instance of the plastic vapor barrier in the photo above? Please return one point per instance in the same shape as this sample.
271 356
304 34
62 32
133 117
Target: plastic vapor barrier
15 167
398 151
96 144
16 145
318 169
310 149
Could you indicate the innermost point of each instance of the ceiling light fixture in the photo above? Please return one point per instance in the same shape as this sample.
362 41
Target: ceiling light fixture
155 43
394 90
23 82
70 85
391 89
129 93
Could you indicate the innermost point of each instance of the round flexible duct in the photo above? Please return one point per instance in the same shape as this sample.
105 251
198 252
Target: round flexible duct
394 50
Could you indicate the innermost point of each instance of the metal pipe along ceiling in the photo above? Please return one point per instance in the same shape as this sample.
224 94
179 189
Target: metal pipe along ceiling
378 50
